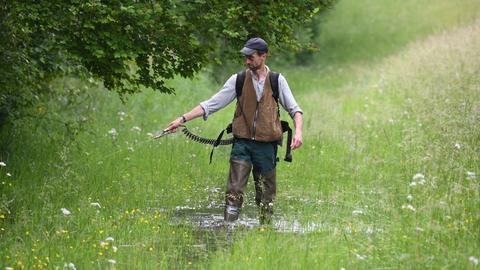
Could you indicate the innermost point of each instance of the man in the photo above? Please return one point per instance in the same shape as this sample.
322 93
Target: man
256 128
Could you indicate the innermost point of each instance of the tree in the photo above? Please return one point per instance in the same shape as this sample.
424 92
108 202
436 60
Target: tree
128 44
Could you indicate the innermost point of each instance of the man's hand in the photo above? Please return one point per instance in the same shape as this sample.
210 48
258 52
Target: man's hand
172 127
297 140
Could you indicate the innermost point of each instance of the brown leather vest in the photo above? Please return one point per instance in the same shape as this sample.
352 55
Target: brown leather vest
254 120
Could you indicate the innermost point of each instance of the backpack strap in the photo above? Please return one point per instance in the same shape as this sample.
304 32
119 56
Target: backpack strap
239 82
274 83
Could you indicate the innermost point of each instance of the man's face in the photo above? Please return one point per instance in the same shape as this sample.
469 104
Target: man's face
255 61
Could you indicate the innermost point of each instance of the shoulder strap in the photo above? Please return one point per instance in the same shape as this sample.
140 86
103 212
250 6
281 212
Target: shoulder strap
239 83
274 83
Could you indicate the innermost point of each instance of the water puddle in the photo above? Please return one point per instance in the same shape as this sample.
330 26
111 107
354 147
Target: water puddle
211 219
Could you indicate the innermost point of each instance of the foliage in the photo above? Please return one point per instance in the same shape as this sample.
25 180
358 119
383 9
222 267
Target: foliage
353 198
128 44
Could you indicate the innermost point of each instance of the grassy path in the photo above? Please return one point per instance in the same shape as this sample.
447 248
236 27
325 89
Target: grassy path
388 177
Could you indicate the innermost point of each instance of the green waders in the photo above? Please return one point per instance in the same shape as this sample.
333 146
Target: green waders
261 156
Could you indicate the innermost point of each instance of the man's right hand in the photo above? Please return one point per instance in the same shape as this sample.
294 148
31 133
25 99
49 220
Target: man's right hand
172 127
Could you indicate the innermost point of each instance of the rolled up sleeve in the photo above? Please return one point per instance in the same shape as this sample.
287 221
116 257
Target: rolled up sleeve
221 99
287 100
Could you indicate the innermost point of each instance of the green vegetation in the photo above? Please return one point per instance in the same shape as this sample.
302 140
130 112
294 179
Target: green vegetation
129 45
388 176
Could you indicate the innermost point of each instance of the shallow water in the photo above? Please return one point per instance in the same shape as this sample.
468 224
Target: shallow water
212 219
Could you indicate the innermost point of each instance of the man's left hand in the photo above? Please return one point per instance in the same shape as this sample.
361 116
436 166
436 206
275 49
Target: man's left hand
297 141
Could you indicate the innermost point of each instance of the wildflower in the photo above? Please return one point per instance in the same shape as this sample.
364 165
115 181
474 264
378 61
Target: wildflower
70 266
456 146
65 211
473 260
112 261
409 207
357 212
418 229
471 175
109 239
130 149
113 132
2 164
8 268
418 176
114 248
409 197
122 115
135 128
361 257
9 174
95 204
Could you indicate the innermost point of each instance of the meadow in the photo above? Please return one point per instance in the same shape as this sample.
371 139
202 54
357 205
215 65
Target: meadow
387 178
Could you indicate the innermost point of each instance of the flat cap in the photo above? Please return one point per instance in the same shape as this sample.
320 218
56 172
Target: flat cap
253 45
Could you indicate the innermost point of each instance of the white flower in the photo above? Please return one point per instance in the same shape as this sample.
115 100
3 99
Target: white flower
122 114
8 268
114 248
456 146
409 207
418 176
70 266
130 149
418 229
109 239
409 197
113 132
135 128
2 164
357 212
413 183
112 261
471 175
473 260
95 204
361 257
8 174
65 211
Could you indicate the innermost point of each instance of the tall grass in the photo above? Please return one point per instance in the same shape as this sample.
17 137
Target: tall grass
387 177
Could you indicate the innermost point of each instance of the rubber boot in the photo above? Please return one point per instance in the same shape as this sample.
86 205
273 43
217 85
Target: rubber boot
237 180
268 195
257 179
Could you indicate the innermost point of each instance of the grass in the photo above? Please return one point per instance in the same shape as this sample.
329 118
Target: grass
374 118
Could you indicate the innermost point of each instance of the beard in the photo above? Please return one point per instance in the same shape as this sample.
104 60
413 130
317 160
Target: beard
253 67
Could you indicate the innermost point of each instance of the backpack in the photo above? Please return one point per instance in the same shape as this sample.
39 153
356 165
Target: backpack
285 126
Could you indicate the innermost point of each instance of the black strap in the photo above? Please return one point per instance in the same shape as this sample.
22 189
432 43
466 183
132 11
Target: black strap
239 83
273 82
286 128
217 142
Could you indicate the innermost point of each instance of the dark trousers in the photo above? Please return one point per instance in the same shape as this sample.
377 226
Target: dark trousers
245 155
